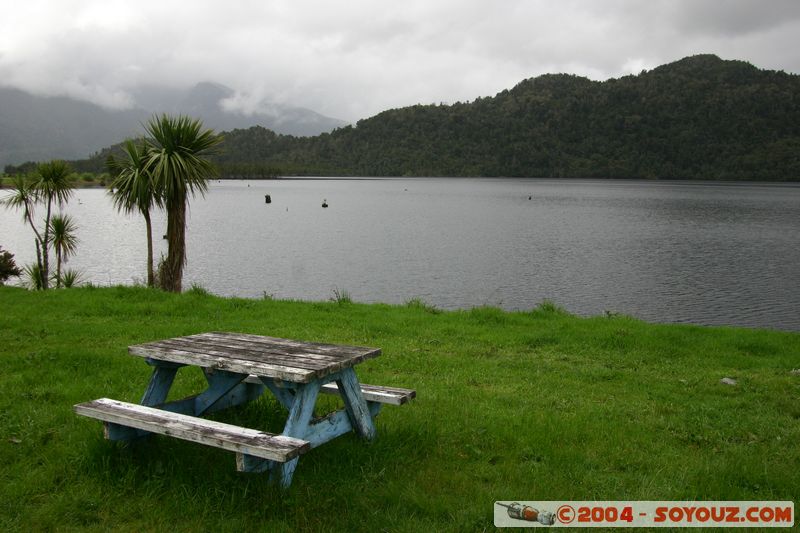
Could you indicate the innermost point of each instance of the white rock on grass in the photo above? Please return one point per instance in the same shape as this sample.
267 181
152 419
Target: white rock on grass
728 381
795 371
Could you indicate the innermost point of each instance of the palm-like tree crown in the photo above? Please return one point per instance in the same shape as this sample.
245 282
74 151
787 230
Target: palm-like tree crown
177 156
52 181
22 196
65 241
133 187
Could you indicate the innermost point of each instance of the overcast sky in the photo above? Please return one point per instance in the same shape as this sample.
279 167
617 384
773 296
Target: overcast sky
353 59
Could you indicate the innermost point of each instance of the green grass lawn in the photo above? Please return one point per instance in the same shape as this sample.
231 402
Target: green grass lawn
538 405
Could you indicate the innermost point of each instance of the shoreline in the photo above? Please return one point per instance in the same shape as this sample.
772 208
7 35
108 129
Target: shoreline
5 181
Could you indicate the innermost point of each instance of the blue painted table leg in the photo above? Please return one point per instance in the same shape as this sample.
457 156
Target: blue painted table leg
249 463
374 409
355 404
160 383
155 394
284 394
297 425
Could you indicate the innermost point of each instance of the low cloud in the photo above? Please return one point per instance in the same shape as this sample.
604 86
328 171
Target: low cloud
352 60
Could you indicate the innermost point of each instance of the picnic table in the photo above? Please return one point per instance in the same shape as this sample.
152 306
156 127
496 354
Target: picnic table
239 368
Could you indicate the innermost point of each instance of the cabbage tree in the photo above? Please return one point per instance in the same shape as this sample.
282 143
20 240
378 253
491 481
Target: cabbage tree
50 185
177 158
62 232
133 189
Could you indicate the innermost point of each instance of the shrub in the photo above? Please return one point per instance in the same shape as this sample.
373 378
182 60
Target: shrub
548 307
8 268
419 303
33 275
198 290
71 278
341 296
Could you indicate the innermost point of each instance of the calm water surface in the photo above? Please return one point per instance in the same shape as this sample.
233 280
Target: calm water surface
705 253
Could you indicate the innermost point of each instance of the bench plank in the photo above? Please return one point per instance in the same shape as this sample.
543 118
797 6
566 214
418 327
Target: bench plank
377 393
209 432
372 393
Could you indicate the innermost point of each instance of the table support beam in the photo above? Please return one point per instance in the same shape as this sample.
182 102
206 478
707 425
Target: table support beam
328 428
160 383
355 404
297 426
284 394
220 386
224 390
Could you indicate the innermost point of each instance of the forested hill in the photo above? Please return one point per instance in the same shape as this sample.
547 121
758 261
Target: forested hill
698 118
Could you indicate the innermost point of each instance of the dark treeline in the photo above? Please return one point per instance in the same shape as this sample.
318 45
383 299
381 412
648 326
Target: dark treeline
698 118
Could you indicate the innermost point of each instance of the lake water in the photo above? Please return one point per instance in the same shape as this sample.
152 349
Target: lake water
698 252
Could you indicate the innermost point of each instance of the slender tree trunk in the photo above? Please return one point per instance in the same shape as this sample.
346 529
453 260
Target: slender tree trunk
39 257
38 239
58 268
172 274
150 276
46 248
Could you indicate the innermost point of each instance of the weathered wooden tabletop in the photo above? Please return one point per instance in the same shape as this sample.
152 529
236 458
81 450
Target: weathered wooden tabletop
288 360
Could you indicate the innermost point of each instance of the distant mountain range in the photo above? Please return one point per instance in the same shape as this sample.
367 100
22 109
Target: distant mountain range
698 118
36 128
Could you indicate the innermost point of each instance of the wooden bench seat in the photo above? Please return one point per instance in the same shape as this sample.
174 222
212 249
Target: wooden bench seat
244 441
372 393
377 393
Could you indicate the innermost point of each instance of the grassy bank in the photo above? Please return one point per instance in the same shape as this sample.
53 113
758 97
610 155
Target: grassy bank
529 406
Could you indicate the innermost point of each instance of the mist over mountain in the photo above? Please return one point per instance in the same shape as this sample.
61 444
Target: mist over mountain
220 109
36 128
